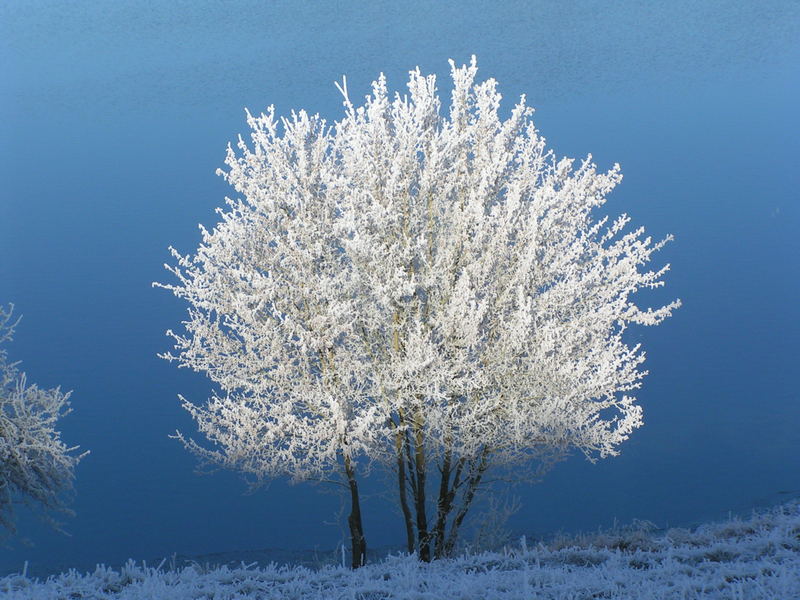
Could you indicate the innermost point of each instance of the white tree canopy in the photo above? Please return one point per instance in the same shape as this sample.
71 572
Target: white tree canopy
36 467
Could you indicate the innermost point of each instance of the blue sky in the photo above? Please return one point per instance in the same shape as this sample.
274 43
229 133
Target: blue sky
115 117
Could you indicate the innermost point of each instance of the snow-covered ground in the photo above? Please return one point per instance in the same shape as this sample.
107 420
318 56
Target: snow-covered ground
748 559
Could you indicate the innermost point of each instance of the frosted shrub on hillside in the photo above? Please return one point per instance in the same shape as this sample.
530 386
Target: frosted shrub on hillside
36 467
425 289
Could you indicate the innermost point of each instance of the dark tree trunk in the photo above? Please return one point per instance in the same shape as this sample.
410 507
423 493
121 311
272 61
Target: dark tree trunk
423 538
455 475
357 540
401 483
443 506
476 474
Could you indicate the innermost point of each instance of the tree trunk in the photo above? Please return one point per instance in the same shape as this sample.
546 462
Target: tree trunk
423 538
357 540
401 483
476 474
401 449
443 506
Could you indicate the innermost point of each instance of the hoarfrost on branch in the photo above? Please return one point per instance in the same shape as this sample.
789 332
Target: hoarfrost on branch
36 467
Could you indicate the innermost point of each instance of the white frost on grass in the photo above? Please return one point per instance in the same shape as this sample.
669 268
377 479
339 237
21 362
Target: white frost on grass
752 559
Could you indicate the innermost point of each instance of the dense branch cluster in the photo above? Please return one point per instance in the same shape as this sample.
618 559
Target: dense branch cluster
36 467
425 290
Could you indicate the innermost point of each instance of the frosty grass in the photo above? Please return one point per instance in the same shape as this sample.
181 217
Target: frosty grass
752 559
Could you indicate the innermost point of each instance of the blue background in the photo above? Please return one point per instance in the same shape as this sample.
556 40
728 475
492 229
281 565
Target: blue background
114 117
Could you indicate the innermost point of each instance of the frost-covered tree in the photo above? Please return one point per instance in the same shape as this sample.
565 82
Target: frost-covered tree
36 467
427 290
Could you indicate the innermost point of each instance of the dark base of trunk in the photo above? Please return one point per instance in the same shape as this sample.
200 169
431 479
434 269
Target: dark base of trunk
357 540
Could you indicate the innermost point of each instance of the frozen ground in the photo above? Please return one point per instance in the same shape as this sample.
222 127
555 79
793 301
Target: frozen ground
749 559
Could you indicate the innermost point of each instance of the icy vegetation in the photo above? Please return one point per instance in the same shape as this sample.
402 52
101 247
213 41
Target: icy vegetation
36 467
755 558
